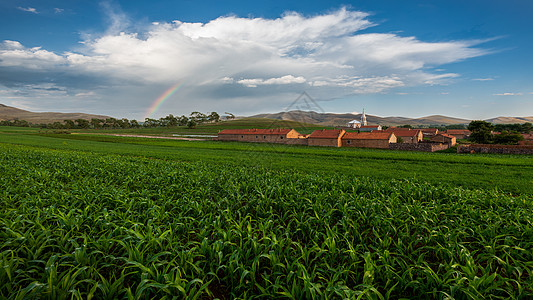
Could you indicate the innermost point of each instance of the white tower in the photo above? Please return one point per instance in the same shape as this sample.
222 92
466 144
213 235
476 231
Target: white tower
363 118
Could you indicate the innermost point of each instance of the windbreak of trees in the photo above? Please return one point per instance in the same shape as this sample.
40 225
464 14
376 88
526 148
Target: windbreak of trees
482 132
109 123
521 128
15 123
194 119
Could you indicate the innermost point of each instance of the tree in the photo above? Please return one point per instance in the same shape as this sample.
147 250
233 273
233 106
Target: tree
82 123
214 117
124 123
169 121
508 138
455 126
56 125
69 124
527 127
110 122
148 122
481 132
21 123
191 123
198 117
97 123
134 124
183 120
229 116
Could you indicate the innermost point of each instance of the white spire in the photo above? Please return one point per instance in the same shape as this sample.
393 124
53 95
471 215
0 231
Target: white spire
363 118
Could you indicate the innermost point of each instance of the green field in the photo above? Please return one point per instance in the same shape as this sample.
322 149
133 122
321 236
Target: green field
114 217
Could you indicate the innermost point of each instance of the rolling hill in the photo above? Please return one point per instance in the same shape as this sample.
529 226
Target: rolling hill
510 120
332 119
300 117
8 113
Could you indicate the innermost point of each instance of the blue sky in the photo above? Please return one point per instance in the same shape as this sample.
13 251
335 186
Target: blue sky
469 59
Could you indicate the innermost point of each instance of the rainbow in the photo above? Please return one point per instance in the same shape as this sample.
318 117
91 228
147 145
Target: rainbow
161 99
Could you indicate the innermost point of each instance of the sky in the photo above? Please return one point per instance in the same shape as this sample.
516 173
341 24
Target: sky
147 59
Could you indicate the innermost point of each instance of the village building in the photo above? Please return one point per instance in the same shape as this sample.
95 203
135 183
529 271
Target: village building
358 124
460 134
528 139
279 136
429 132
354 124
368 139
326 137
528 136
406 135
444 139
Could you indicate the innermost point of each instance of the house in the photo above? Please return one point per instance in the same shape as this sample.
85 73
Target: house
368 139
444 139
354 124
258 135
528 139
407 135
460 134
326 137
369 128
429 132
528 136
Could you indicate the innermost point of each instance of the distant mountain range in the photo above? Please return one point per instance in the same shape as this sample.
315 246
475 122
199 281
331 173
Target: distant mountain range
325 119
332 119
11 113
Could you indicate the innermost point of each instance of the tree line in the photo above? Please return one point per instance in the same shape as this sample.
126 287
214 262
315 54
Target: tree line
191 121
486 133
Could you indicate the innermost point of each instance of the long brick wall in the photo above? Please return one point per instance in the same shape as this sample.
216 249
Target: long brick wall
425 147
498 149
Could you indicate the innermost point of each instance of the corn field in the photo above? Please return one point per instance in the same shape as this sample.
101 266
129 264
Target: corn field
91 226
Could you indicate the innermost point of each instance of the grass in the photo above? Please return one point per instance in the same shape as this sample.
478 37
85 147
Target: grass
104 217
86 225
506 173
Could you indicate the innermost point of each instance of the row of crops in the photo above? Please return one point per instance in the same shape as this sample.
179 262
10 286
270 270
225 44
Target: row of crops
81 225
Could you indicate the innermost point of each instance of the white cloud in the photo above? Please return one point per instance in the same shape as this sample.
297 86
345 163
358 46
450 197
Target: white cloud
508 94
287 79
85 94
483 79
59 10
12 53
220 60
28 9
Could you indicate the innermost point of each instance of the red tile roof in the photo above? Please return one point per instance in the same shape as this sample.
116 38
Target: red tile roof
326 134
369 126
428 130
255 131
458 131
405 132
446 135
367 136
528 136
